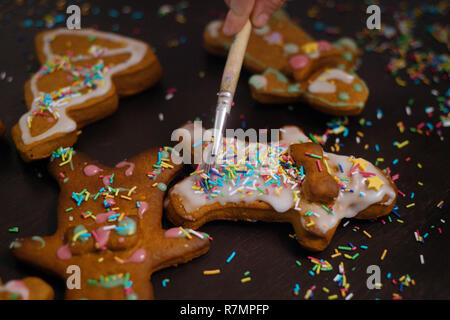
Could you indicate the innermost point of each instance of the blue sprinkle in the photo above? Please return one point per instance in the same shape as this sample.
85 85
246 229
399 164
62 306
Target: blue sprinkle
113 13
137 15
231 256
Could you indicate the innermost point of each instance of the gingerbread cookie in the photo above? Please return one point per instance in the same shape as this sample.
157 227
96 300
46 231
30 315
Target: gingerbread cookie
294 181
2 128
30 288
109 225
83 74
292 66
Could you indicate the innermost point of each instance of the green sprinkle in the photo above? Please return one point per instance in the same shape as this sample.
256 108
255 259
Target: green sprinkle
314 140
344 248
261 190
343 96
162 186
355 256
327 209
298 263
246 273
357 87
15 229
69 209
14 296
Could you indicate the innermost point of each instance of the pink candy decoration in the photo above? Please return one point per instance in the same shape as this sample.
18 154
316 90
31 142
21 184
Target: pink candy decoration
323 45
299 61
64 252
91 170
172 233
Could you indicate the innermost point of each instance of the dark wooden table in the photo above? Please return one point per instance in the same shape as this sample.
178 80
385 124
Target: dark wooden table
28 196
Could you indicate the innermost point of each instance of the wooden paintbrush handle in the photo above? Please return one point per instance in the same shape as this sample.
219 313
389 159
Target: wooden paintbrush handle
235 59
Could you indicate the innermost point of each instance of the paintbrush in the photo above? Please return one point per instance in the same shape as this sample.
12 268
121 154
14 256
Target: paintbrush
228 85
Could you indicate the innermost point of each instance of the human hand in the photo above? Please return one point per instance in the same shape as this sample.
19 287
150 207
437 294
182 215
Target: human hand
259 11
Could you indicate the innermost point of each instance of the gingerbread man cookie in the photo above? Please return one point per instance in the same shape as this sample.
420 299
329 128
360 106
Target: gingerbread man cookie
109 226
83 74
294 181
30 288
291 66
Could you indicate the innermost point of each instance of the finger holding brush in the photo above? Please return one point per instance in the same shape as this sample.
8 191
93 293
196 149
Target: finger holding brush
258 11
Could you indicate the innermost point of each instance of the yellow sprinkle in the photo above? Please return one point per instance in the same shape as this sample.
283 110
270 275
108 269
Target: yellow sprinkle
75 236
67 161
400 82
308 294
247 279
411 205
326 165
333 297
367 234
401 221
384 254
403 144
336 255
419 165
420 183
186 233
440 203
155 184
125 197
347 256
100 259
118 259
326 290
117 192
211 272
115 208
87 196
310 224
121 216
131 190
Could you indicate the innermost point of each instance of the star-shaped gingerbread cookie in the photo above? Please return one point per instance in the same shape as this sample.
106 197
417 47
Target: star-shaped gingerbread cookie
83 73
109 226
292 181
291 66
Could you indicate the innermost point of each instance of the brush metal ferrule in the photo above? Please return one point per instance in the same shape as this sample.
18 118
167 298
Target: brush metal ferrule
223 108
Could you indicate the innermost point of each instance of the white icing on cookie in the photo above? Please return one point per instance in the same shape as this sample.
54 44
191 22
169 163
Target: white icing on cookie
16 287
283 185
321 84
213 28
137 50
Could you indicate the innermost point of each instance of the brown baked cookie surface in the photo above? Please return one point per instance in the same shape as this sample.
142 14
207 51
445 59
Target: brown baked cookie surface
109 227
2 128
294 181
292 66
83 74
29 288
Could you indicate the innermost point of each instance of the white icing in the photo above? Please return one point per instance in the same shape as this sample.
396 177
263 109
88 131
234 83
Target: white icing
137 50
213 28
347 204
321 84
16 287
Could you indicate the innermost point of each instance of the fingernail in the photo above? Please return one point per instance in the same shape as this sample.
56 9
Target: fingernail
262 19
